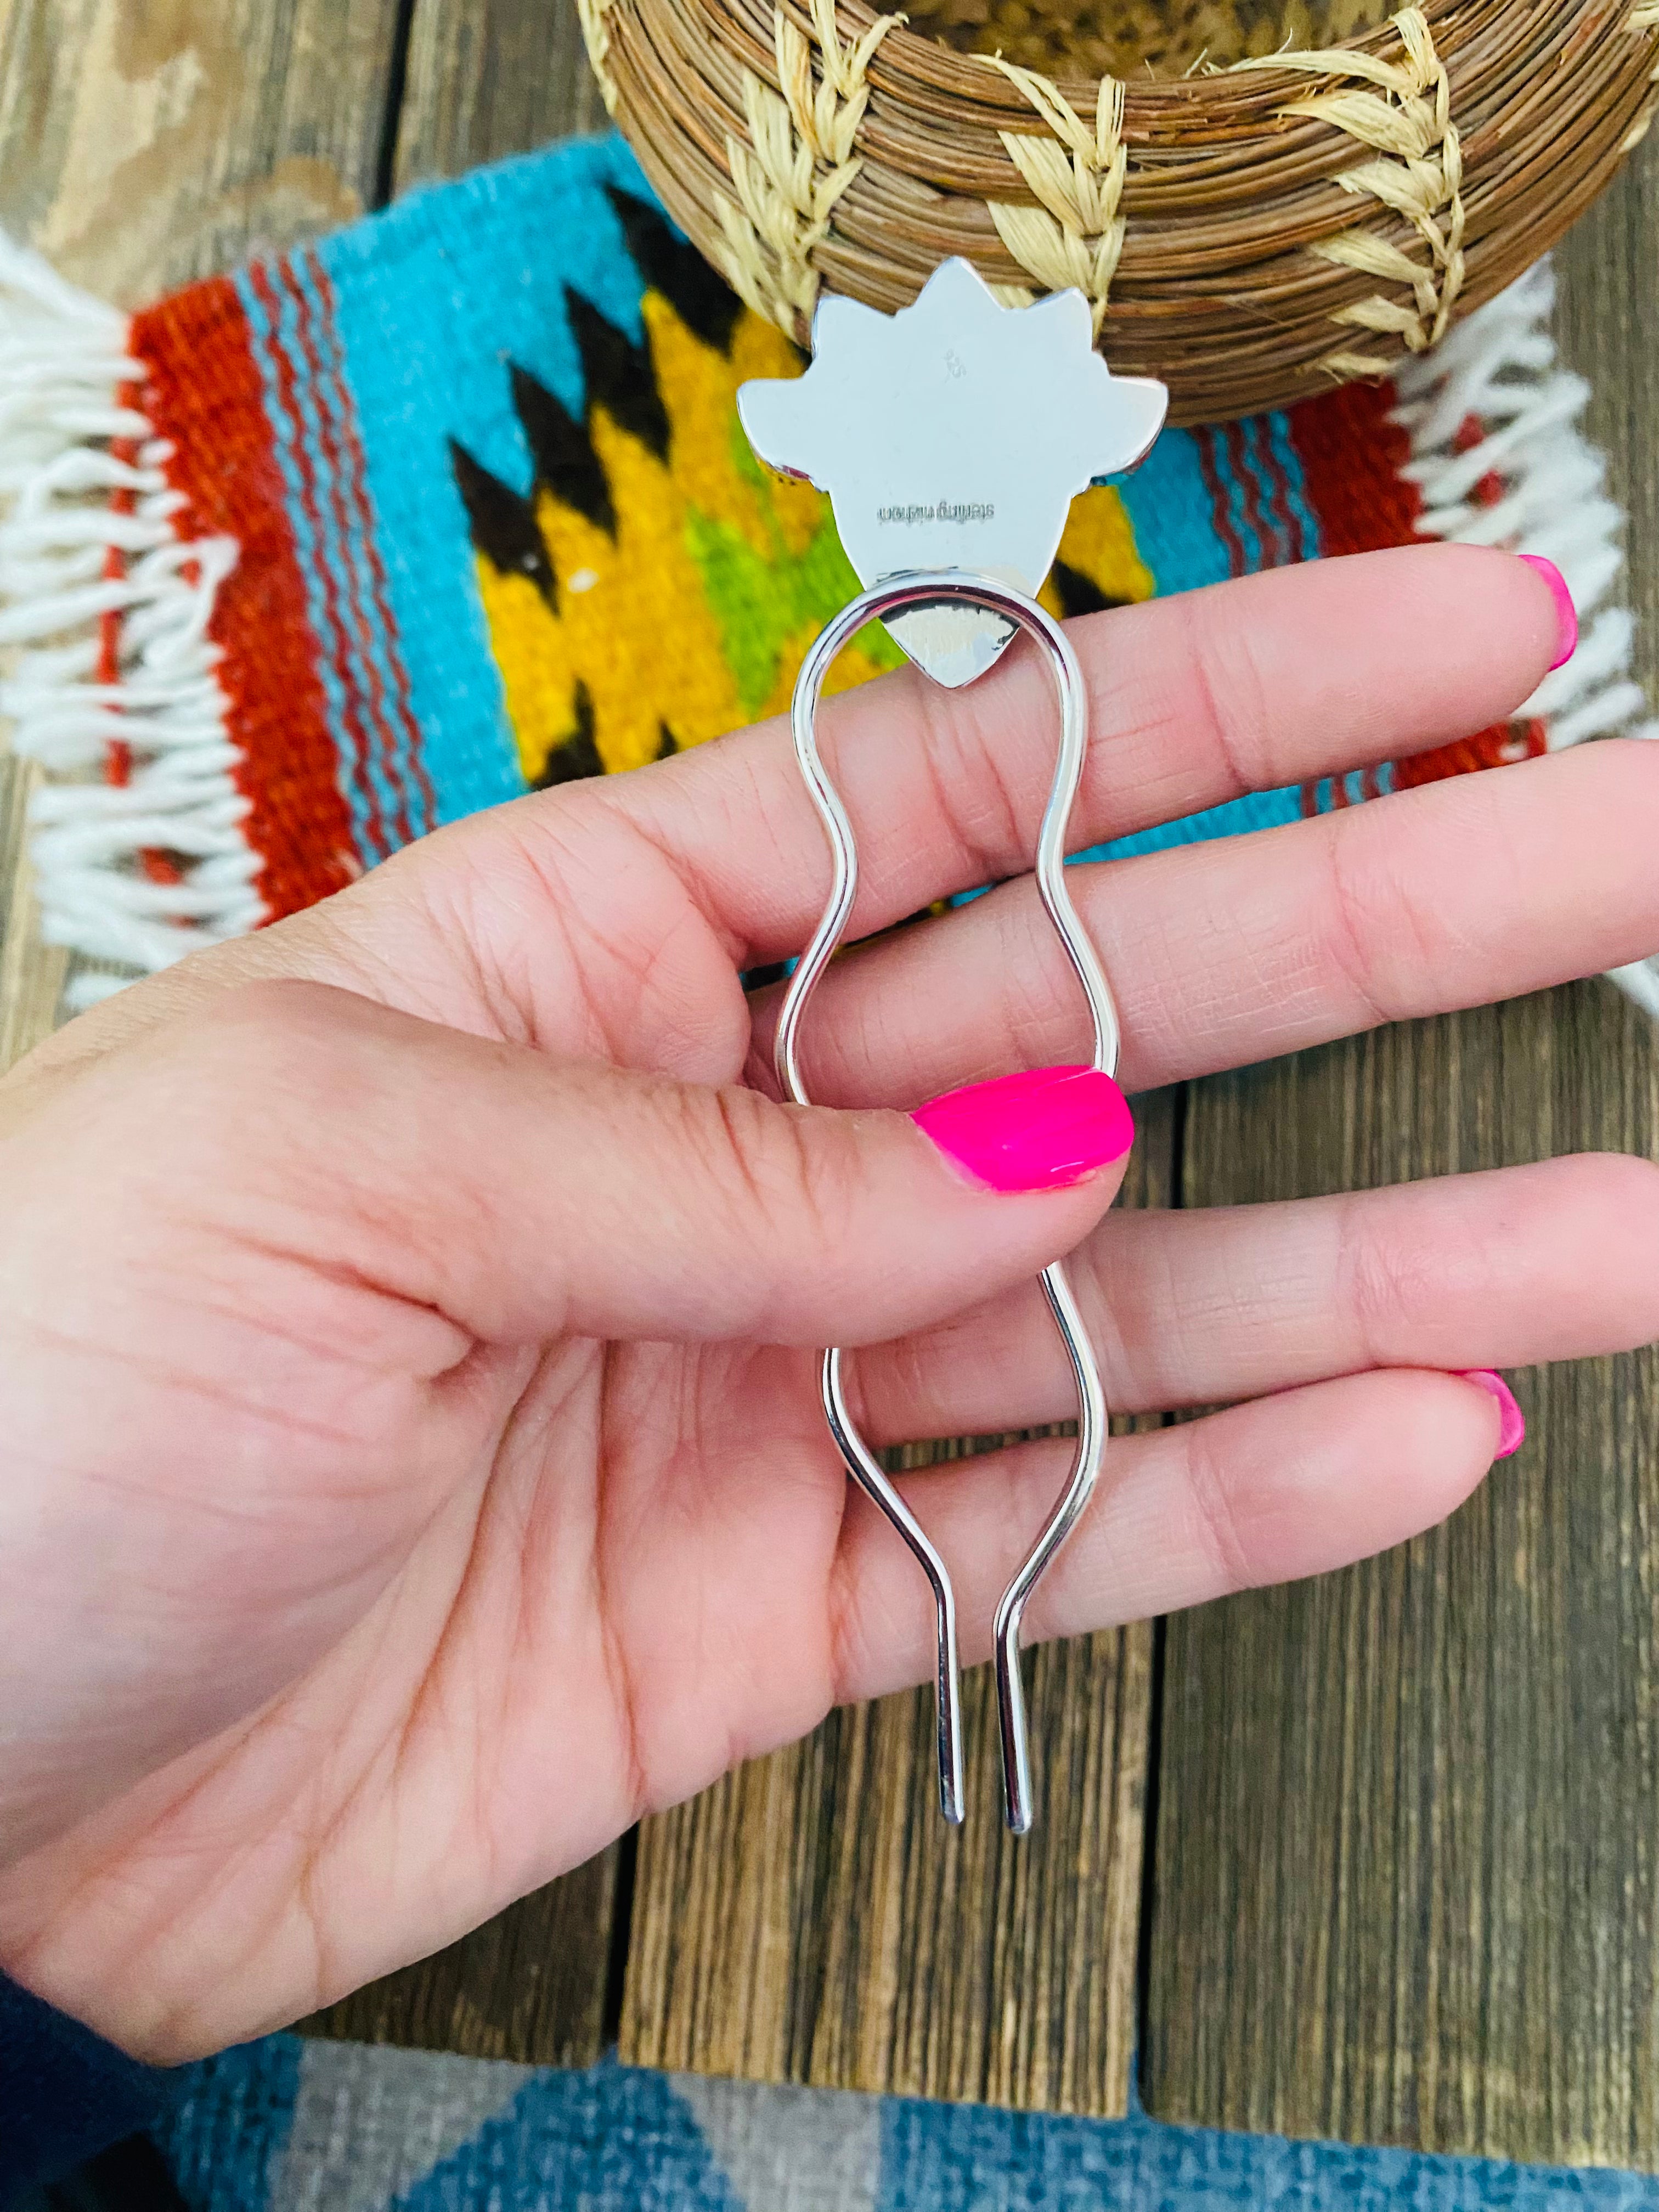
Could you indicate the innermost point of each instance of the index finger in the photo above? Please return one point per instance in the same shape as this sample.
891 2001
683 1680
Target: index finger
1271 680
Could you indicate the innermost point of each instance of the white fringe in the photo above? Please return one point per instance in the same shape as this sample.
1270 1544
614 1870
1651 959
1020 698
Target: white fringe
65 375
1500 367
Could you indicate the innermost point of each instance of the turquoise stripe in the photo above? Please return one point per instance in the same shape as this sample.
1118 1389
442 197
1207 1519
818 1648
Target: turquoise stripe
399 778
305 538
1237 818
1169 509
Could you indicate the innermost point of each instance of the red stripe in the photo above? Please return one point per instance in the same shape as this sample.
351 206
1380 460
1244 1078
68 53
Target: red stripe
117 753
1351 457
1220 505
1239 459
335 645
1498 747
341 500
203 394
1277 479
358 476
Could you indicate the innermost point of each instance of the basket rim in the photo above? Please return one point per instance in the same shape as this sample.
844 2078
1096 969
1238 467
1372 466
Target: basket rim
1241 231
975 77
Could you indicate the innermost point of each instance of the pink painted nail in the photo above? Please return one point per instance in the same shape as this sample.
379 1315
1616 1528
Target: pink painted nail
1042 1131
1566 615
1512 1434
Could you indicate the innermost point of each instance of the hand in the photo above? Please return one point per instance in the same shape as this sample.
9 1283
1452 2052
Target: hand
414 1471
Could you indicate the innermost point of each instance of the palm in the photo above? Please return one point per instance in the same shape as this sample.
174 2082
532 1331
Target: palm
611 1577
406 1607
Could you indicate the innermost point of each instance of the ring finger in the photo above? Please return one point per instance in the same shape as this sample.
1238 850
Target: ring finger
1268 1492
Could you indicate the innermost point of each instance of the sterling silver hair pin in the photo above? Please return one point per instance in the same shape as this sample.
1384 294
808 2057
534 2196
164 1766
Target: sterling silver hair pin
952 439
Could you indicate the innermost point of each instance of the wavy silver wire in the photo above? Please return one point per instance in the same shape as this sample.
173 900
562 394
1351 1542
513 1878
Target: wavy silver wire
952 587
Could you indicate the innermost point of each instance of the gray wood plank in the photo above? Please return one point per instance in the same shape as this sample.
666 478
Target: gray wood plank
142 146
488 79
1406 1883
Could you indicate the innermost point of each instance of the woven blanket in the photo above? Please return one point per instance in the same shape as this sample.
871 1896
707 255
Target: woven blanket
287 2126
308 560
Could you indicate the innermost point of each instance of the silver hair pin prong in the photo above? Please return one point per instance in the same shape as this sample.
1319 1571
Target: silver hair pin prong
955 351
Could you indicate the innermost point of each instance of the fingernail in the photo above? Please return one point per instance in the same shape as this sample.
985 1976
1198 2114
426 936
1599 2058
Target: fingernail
1041 1131
1566 615
1513 1432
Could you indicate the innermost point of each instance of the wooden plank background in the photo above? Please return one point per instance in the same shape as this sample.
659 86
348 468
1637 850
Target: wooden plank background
1404 1887
489 78
1406 1877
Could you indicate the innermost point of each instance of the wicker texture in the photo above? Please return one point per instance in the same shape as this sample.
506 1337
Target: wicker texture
1252 226
1124 38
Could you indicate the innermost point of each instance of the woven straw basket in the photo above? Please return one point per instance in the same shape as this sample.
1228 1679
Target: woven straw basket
1259 197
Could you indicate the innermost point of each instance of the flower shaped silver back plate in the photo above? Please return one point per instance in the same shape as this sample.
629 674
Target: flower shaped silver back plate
953 435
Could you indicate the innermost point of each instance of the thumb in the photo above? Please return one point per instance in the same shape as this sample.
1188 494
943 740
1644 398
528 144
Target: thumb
526 1198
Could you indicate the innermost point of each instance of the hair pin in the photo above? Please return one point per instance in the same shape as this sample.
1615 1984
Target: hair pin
952 439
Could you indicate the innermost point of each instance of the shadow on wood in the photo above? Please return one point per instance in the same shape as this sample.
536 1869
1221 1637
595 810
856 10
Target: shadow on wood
529 1984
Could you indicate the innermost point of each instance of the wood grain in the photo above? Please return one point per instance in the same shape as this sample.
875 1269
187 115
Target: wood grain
489 78
1406 1887
142 146
31 975
811 1920
1406 1882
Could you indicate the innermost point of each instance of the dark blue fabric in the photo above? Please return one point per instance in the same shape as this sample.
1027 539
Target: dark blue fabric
65 2093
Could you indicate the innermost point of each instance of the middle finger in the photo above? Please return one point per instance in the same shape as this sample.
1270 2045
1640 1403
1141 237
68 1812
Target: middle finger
1455 894
1253 686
